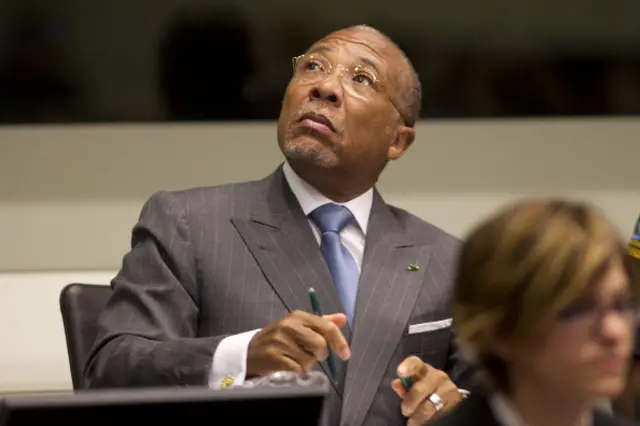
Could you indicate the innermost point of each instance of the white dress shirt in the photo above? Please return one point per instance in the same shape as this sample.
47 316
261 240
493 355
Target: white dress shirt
230 357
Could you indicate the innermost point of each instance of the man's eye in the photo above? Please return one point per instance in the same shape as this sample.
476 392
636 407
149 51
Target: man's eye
313 66
363 78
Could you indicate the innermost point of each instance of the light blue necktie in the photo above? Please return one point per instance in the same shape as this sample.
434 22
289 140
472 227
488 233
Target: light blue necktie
331 219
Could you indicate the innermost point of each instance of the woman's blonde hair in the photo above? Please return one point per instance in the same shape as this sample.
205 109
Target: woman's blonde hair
521 267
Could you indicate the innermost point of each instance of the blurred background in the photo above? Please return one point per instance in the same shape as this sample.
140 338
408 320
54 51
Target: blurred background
103 103
164 60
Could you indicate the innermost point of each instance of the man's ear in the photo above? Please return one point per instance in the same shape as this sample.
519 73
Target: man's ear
404 138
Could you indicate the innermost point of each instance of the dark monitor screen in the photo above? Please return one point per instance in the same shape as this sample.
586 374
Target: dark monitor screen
281 406
70 61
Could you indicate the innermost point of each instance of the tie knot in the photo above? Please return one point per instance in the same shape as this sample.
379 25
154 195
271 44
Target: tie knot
331 217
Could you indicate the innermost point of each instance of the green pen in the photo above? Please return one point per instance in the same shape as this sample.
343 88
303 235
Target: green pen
407 382
315 306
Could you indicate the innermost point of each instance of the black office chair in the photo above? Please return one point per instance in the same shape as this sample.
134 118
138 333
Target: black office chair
81 305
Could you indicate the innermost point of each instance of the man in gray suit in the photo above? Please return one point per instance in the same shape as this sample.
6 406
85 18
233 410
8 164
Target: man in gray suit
215 287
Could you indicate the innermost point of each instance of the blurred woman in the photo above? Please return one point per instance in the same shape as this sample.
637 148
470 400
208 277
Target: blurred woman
543 304
628 403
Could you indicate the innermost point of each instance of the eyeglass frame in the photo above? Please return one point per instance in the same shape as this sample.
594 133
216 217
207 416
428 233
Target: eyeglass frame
376 81
577 312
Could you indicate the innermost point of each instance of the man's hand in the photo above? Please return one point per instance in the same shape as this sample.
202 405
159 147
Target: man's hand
296 343
416 405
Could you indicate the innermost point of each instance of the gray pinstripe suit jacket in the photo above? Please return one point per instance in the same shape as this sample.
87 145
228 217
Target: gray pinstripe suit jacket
209 262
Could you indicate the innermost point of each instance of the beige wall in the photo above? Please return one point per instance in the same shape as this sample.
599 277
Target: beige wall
70 194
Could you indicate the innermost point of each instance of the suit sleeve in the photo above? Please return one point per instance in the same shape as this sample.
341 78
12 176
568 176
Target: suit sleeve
148 332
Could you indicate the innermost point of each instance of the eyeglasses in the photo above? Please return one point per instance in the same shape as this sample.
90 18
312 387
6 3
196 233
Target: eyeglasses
591 316
359 81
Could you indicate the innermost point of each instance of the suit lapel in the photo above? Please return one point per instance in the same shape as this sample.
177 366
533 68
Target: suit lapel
387 294
279 237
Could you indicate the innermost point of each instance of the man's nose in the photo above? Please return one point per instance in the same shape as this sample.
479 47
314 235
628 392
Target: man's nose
328 89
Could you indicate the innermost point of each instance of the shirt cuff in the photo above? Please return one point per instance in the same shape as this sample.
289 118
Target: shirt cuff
229 367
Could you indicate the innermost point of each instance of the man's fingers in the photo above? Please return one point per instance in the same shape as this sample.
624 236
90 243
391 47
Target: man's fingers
293 350
289 363
324 326
418 393
412 367
337 341
296 343
331 333
340 320
425 412
312 343
398 388
416 404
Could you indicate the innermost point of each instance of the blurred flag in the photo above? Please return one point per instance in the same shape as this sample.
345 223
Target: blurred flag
634 243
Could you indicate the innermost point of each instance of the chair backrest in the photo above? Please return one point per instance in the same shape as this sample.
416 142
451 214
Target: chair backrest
81 305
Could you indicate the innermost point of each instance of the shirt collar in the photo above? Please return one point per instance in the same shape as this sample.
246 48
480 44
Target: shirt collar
310 198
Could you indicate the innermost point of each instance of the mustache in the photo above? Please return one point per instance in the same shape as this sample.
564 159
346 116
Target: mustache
305 112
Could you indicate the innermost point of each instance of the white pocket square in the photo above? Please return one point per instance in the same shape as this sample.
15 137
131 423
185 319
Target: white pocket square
429 326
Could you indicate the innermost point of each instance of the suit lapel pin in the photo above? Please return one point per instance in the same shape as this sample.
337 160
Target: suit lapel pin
413 267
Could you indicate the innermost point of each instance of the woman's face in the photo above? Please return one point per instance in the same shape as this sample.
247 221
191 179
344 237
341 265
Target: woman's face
586 352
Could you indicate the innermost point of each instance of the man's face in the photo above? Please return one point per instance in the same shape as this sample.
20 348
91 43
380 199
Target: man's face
339 109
